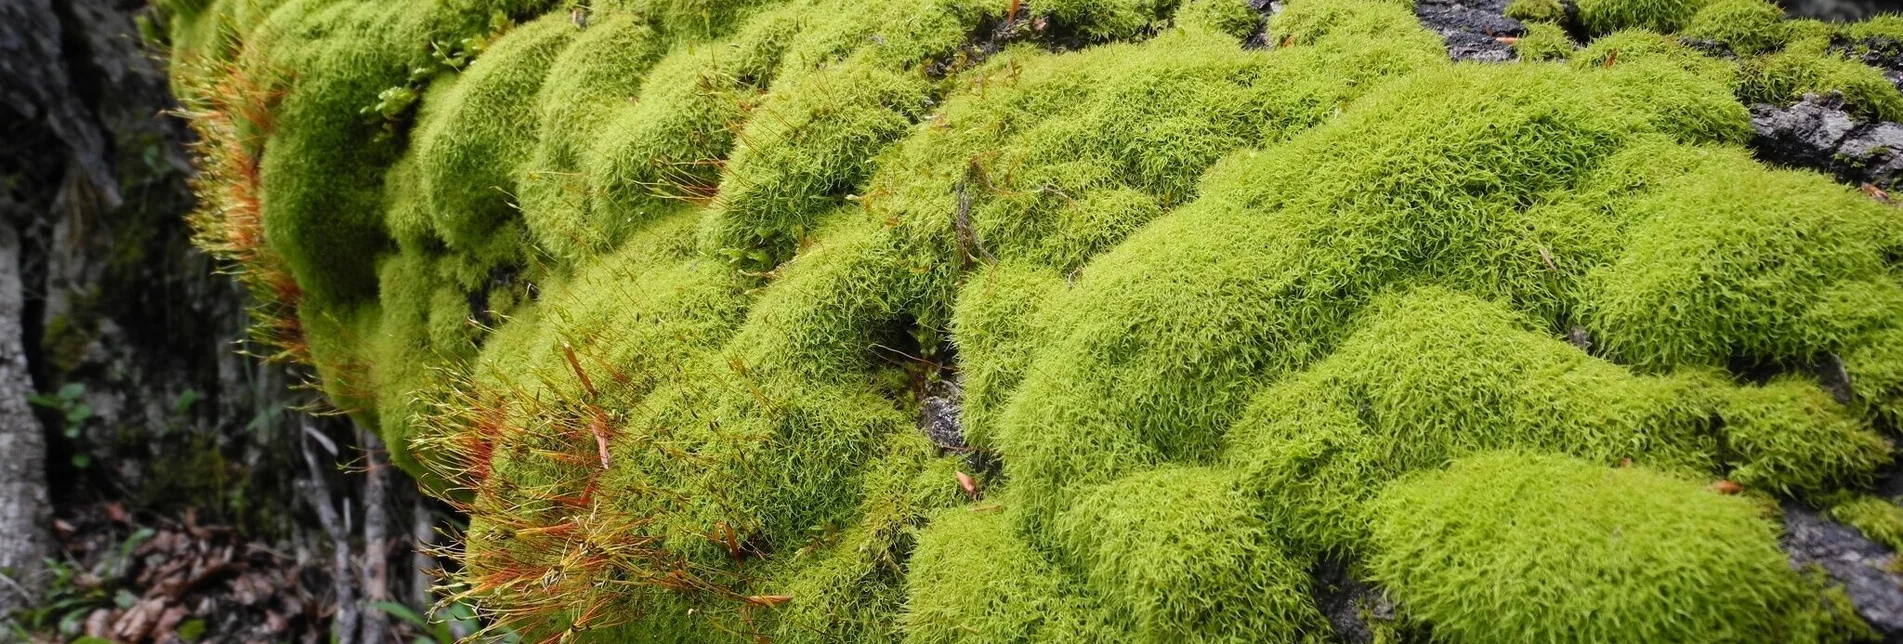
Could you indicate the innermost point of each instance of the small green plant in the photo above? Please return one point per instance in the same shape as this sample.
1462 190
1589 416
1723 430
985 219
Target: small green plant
73 413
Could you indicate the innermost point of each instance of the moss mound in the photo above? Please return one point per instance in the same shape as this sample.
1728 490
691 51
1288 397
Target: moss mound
1675 561
660 293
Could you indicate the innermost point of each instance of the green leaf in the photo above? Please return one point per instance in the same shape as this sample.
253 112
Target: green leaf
82 461
72 391
191 630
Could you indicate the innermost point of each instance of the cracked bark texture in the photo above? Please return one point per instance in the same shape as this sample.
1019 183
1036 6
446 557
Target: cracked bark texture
25 511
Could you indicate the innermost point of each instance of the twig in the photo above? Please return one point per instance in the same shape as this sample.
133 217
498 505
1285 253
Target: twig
345 624
423 530
376 557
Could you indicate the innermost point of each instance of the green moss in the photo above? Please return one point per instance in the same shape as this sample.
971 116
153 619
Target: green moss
1879 519
1664 16
1236 18
1787 76
1747 26
657 287
796 165
971 580
587 86
1544 42
1789 436
1178 554
483 125
1677 294
1888 26
1432 376
1548 11
995 321
1559 544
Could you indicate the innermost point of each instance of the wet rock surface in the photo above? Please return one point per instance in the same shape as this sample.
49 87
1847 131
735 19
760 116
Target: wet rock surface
1476 30
1862 566
1818 133
1349 603
938 416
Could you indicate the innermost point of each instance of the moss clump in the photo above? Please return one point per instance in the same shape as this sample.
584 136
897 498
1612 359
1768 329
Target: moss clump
1544 42
1879 519
1791 437
1547 11
1008 592
1559 544
1806 68
1746 26
658 291
1663 16
1178 554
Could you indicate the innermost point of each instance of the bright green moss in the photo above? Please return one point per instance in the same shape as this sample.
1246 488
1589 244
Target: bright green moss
485 125
800 162
1887 26
1232 17
1787 76
1677 294
1747 26
1432 376
1510 548
593 81
1101 20
1544 42
995 320
1879 519
661 284
1664 16
972 580
1309 23
1547 11
1789 436
664 150
1179 555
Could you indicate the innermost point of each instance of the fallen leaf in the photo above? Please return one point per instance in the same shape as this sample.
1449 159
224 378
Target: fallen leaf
969 486
769 600
1727 487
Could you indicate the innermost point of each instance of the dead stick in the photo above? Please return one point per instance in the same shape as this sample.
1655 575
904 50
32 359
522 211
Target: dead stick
376 540
318 491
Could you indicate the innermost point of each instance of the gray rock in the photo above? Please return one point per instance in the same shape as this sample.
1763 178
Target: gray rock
1860 565
1818 133
1472 28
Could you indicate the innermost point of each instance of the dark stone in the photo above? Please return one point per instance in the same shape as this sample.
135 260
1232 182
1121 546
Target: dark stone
1472 28
1818 133
1860 565
938 416
1345 600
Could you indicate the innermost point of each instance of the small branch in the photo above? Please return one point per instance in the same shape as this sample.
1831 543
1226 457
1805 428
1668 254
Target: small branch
376 542
423 531
318 491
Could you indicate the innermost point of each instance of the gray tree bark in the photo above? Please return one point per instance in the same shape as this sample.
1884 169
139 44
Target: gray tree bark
25 512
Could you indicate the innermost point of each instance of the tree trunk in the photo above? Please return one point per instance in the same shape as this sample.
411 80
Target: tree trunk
24 509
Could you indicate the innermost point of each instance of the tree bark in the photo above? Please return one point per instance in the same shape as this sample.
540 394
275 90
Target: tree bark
25 511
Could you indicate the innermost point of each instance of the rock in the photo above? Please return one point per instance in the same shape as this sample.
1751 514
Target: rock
938 417
1818 133
1348 603
1860 565
1472 29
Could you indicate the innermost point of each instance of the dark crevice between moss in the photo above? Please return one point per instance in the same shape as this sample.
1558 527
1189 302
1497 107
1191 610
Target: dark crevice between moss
993 33
1267 9
1358 612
